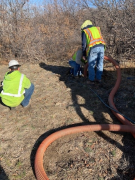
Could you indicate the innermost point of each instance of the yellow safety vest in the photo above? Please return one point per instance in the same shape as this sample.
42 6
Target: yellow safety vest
93 37
14 85
74 56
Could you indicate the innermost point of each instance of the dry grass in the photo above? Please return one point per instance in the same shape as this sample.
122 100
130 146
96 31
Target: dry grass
58 102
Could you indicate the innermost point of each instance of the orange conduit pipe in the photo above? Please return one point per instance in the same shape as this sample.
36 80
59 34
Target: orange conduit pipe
39 169
128 127
122 119
114 90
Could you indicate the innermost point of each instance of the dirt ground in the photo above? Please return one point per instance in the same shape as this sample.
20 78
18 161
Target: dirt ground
60 101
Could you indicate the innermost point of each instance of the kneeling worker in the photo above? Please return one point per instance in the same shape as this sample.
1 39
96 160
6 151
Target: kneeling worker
76 63
17 88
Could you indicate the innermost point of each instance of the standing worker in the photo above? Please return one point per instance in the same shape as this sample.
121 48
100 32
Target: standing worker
17 88
93 47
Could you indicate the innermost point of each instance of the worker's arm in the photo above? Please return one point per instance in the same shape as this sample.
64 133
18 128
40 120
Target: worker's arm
83 45
26 82
84 58
85 70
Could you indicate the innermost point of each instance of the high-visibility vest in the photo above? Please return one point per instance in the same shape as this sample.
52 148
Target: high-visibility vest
93 37
18 92
14 85
74 56
82 61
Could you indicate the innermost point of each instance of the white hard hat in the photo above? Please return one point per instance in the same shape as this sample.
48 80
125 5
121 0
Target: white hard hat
13 63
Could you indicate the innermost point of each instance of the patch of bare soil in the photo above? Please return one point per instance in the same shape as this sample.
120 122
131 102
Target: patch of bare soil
60 101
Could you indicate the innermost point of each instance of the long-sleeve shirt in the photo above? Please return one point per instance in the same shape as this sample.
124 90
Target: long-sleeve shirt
84 44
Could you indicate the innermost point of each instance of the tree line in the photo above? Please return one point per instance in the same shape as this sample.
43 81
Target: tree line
52 30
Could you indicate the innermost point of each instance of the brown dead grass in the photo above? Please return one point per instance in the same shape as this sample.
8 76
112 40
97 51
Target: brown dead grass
58 102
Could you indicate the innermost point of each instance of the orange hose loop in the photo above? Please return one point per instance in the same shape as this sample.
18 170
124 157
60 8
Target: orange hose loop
39 169
127 127
122 119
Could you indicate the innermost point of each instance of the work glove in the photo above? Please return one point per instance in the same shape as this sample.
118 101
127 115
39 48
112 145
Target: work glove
84 61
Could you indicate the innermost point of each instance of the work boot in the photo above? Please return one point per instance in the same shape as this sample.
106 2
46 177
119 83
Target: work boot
90 82
12 108
98 81
29 105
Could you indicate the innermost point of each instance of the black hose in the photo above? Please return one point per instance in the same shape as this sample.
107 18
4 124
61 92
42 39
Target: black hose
112 107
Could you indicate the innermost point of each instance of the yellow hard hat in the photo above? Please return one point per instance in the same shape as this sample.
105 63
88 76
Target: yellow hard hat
86 23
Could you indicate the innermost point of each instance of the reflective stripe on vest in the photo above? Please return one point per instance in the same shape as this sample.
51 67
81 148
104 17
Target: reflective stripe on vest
19 90
93 41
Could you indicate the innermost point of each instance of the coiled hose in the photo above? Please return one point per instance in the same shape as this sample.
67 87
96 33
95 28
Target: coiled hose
127 127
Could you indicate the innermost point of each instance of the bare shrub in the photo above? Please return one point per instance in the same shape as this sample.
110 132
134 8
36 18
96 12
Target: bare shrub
53 30
117 22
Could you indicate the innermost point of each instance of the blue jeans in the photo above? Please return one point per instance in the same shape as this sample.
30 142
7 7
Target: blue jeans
27 95
96 58
75 66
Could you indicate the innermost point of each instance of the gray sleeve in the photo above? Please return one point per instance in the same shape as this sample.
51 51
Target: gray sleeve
79 57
